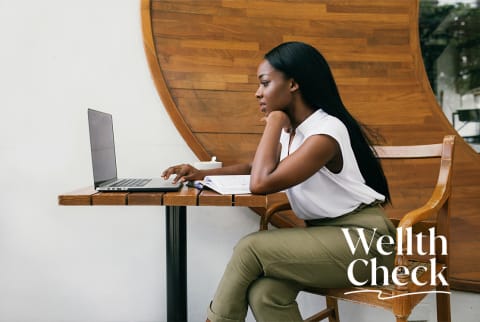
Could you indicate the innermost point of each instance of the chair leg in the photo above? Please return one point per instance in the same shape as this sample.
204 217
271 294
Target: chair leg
443 307
402 318
330 312
333 304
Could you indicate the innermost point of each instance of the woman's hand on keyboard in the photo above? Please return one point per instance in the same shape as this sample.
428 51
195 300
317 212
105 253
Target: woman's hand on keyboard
183 172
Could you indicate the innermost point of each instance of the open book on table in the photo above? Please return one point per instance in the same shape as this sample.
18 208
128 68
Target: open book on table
227 184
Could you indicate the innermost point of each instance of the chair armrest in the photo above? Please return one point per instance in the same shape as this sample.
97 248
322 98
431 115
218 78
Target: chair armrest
433 206
272 209
424 212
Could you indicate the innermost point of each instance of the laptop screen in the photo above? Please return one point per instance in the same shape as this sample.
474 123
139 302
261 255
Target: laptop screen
102 146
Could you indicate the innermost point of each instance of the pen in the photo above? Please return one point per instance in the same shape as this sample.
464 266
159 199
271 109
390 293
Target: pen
195 184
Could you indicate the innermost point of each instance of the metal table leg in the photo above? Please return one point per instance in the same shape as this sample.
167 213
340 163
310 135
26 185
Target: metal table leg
176 256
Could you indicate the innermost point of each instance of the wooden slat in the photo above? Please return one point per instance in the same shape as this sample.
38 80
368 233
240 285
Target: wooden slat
274 198
417 151
250 201
109 199
187 196
145 198
211 198
79 197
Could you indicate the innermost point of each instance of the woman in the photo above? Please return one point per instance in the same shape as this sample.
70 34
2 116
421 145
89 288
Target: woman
315 150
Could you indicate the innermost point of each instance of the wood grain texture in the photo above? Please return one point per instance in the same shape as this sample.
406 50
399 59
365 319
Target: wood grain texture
186 196
79 197
109 199
211 198
203 56
145 198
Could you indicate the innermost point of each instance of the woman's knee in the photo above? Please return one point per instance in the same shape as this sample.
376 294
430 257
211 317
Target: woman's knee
245 258
246 245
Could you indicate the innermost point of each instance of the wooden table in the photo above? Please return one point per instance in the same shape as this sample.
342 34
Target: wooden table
176 235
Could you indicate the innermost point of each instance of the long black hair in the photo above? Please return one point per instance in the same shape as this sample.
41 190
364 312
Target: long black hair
310 70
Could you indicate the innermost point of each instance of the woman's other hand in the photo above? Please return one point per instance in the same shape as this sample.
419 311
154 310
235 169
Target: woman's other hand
280 118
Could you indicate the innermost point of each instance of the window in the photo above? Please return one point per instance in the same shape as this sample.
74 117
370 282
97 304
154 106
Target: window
450 41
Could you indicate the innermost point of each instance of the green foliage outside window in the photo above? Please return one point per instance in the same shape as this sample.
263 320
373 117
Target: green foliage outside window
457 25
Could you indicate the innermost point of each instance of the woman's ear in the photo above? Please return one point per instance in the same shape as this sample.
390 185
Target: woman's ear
293 85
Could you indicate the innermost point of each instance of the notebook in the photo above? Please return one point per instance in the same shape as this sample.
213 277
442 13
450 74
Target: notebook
225 184
104 162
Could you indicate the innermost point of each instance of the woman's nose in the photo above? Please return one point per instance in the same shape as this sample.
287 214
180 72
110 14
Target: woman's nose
258 93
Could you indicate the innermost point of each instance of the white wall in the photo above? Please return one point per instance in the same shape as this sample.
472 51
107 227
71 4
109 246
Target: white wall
85 264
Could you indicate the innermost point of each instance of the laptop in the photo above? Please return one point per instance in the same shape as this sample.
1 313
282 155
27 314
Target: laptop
104 162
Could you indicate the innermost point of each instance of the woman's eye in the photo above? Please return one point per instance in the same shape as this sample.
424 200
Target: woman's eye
264 83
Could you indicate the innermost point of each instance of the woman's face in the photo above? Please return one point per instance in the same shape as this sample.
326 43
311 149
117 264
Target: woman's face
275 90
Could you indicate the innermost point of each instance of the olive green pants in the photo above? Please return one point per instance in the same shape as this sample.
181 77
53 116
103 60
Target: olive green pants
269 268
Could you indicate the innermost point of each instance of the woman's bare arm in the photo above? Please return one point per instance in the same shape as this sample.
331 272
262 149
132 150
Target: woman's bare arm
186 172
269 175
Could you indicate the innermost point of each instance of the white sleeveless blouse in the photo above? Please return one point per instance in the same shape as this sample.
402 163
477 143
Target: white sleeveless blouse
326 194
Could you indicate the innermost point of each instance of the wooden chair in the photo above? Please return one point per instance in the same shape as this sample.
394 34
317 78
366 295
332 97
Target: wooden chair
434 213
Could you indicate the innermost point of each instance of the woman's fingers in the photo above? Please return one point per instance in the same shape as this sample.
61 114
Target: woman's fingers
168 172
182 172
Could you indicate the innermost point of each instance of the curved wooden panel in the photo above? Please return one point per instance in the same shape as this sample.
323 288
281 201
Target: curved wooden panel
203 56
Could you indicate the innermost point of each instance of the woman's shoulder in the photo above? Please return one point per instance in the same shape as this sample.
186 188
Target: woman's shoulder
323 123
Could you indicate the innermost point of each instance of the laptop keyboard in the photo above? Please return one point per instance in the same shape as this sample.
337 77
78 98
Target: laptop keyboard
131 183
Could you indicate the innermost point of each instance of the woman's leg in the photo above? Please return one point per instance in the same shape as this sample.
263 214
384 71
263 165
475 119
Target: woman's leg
311 257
